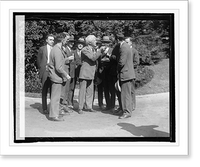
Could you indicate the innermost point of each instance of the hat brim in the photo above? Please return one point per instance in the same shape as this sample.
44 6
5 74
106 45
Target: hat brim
80 42
106 41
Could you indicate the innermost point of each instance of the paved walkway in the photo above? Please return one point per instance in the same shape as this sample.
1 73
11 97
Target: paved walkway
150 119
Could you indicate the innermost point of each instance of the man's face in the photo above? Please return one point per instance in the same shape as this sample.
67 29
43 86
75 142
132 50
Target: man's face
94 43
50 40
128 41
105 44
70 44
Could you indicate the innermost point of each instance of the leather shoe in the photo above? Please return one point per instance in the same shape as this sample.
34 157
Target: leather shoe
45 112
56 119
101 107
91 110
63 113
125 116
118 112
80 111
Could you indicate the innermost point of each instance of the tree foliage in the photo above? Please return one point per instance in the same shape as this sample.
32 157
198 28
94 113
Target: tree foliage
150 36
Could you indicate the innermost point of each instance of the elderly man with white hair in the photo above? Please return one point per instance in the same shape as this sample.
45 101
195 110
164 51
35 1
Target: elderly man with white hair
87 72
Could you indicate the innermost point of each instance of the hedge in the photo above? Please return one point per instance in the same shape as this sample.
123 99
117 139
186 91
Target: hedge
143 76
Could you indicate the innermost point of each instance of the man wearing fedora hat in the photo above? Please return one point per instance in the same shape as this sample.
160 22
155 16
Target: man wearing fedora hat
77 65
126 76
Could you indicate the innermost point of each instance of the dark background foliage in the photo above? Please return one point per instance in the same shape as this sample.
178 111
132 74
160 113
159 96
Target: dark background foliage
151 39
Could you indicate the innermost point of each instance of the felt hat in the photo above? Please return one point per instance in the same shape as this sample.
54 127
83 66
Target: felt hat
81 41
120 36
106 39
98 40
71 39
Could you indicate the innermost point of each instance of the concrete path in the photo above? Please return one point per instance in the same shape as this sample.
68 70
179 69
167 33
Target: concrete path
150 119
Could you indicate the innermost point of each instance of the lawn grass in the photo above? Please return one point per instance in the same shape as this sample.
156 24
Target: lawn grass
159 83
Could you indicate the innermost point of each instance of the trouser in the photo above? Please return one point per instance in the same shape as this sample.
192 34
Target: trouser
70 94
113 80
118 93
107 91
65 91
103 88
127 98
100 94
45 87
86 93
55 99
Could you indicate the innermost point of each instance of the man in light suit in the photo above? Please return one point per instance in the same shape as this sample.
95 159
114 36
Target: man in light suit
136 62
67 90
87 72
42 62
58 76
126 76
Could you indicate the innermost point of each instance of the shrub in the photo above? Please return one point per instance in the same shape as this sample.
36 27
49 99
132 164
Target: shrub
33 83
143 76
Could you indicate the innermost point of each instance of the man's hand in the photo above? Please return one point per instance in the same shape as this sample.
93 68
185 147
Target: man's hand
68 77
102 48
70 57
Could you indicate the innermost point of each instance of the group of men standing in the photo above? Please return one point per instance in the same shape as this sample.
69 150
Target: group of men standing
93 63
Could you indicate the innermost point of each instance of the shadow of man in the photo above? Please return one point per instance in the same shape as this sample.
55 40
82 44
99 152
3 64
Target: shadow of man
38 106
143 131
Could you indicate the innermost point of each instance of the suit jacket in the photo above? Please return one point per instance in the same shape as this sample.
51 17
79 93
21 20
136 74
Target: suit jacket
57 72
114 59
78 63
68 53
136 59
42 63
125 64
88 59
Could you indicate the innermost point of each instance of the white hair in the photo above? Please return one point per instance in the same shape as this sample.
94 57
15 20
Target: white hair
90 39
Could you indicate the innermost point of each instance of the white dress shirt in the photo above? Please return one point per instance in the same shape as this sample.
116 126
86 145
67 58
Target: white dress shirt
48 52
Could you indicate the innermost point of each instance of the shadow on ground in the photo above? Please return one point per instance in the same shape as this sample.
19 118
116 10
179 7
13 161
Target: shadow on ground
38 106
145 131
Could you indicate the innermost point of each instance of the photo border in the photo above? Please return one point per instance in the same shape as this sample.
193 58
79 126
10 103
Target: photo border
177 102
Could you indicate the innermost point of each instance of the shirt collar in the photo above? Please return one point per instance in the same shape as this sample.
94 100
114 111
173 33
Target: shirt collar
121 43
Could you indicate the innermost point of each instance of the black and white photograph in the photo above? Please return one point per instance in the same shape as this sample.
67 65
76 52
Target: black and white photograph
97 78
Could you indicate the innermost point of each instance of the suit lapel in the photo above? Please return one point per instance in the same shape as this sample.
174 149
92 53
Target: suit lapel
68 52
46 52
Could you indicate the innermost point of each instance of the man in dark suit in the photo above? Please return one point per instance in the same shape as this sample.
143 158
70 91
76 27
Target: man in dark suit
72 67
87 72
113 79
58 76
77 65
42 62
126 76
103 74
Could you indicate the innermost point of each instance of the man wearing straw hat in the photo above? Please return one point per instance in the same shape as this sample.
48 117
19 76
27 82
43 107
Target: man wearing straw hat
103 73
77 65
